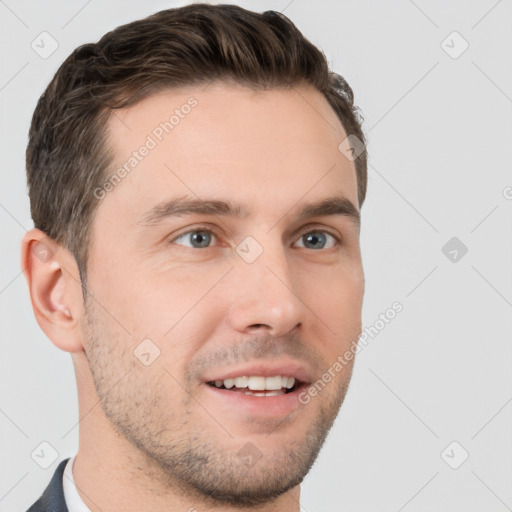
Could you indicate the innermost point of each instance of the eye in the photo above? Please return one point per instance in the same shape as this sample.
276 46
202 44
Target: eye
199 238
318 239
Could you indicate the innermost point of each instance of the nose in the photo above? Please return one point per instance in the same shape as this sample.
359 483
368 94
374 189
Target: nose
264 295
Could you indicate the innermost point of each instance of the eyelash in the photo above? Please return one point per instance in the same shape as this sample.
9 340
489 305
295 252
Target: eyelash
210 229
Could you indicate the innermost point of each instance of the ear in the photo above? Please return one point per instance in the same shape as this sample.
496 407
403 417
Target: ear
55 289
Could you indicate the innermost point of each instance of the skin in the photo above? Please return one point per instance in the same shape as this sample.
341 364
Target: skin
149 438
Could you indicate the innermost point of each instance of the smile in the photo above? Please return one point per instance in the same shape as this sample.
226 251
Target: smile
257 385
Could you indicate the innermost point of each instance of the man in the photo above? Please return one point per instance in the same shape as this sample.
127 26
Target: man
195 181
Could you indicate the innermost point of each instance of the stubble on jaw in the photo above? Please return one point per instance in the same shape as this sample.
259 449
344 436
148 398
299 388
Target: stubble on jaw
178 456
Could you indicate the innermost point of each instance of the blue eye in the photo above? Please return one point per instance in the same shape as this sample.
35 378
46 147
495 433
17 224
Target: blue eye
200 238
317 239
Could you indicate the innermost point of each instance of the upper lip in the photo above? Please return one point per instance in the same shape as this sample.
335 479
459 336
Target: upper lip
294 369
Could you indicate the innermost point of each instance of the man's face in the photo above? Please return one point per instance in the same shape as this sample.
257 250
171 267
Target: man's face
221 296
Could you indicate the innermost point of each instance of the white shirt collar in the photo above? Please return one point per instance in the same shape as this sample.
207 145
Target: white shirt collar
73 500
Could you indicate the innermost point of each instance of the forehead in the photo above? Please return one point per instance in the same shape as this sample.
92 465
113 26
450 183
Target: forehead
223 140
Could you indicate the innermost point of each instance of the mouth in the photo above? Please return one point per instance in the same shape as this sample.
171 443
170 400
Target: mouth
259 385
258 390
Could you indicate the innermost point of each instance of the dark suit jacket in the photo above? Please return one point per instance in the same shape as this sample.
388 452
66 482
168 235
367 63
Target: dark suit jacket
52 499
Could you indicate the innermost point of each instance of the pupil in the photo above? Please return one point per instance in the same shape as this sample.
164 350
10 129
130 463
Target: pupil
314 238
200 237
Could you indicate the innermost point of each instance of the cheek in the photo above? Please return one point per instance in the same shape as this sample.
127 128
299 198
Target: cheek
172 298
179 311
336 298
150 301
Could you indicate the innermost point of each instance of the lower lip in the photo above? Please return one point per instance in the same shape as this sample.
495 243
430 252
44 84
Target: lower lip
262 406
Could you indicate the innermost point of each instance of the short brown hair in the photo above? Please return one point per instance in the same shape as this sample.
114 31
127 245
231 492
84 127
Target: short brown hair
67 156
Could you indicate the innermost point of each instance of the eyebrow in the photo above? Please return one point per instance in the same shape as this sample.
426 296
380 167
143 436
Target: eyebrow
180 206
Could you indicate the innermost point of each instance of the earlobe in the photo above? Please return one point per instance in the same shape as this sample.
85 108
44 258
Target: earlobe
54 287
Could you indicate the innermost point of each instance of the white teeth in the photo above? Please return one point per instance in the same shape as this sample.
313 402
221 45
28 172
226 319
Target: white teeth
274 393
273 383
241 382
268 393
258 383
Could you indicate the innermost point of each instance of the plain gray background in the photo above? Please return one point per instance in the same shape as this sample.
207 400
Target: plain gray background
438 120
